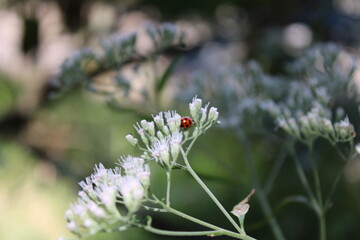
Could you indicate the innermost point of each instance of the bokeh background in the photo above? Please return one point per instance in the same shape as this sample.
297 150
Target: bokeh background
48 144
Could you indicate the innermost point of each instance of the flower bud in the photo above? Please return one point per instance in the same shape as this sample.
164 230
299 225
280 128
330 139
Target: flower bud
148 126
107 196
159 120
203 116
328 127
284 125
173 122
69 215
343 134
160 152
72 226
160 135
175 144
213 114
195 107
132 140
141 132
305 124
166 130
132 192
294 127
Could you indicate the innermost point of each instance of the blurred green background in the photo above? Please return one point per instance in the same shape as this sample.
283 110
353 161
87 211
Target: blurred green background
47 145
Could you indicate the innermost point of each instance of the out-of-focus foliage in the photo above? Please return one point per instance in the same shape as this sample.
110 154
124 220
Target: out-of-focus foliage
7 96
87 67
47 146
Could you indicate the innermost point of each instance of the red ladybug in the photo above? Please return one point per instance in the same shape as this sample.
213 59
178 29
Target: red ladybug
186 122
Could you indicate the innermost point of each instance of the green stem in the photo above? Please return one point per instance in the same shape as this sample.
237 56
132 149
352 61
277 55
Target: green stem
183 233
321 213
316 177
332 189
275 170
259 191
322 226
168 186
207 190
303 179
206 224
316 202
191 145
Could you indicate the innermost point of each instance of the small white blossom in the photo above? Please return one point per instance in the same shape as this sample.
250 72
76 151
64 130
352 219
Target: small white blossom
344 129
175 143
99 175
148 126
107 196
136 167
160 151
132 140
159 120
203 115
132 192
160 135
173 120
213 114
271 107
344 123
95 209
141 132
195 107
72 226
78 208
86 185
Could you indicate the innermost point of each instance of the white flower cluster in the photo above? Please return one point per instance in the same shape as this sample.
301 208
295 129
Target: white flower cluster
164 35
317 123
163 137
96 207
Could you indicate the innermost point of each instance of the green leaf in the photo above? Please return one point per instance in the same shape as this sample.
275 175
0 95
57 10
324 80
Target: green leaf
166 75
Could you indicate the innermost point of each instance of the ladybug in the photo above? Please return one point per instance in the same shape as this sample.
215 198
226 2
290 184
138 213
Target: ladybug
186 122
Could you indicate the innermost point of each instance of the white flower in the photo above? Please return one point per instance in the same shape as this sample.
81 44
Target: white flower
95 209
148 126
78 208
107 196
344 129
142 134
72 226
195 107
344 123
86 185
160 151
173 120
271 107
213 114
69 215
132 192
159 120
203 114
136 167
132 140
175 144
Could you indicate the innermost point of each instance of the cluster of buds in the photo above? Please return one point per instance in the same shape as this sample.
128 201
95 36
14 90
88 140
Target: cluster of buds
96 208
165 35
119 48
163 137
317 123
